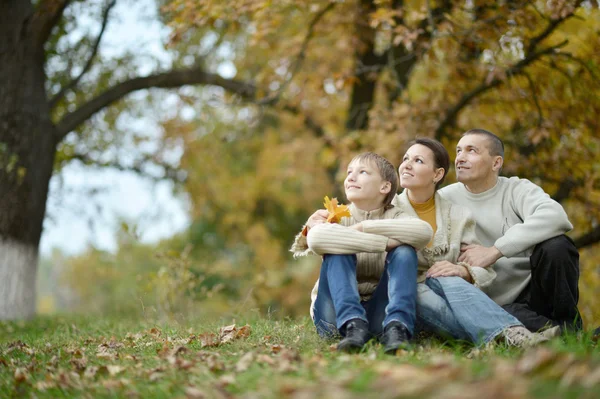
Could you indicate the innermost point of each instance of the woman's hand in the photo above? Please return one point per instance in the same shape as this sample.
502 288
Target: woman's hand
447 269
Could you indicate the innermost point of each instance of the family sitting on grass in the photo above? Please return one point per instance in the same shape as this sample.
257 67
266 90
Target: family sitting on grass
483 260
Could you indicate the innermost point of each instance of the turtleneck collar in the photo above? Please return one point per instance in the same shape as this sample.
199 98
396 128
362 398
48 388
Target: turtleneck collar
359 215
423 207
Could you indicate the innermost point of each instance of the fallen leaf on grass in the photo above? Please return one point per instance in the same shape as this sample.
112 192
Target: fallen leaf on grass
194 393
115 369
208 340
535 360
21 375
44 385
245 361
229 333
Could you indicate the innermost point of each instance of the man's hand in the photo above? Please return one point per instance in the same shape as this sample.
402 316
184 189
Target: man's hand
478 255
446 269
320 216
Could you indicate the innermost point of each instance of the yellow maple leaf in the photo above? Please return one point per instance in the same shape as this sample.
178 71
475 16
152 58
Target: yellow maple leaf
336 211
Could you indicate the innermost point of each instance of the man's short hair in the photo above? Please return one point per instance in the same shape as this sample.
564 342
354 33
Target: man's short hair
496 145
387 171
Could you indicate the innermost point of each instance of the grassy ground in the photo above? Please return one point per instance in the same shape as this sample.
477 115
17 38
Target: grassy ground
67 356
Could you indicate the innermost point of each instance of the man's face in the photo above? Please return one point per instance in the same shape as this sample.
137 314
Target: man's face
474 164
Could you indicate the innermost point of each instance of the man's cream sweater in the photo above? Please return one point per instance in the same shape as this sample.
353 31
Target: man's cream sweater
514 216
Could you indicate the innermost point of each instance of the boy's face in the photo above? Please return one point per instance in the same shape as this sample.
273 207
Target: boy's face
364 185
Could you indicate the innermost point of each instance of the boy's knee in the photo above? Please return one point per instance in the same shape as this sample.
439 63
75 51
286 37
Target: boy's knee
405 252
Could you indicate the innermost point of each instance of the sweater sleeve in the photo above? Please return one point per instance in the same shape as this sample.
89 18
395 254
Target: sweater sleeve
481 276
300 245
542 217
412 231
328 238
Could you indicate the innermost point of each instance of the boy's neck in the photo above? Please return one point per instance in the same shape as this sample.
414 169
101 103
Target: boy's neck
368 206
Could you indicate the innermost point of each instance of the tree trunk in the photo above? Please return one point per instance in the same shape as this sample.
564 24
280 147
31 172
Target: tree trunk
27 149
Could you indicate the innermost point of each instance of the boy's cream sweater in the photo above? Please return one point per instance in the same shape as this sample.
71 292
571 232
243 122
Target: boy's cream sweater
368 245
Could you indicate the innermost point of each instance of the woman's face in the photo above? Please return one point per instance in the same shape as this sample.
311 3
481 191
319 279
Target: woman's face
417 170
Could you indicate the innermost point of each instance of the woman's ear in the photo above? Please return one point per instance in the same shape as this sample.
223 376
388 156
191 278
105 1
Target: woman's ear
439 174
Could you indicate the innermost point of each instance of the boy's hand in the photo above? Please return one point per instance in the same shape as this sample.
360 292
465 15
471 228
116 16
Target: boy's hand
320 216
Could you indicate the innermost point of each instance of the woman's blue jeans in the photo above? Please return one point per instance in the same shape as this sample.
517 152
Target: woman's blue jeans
394 298
451 306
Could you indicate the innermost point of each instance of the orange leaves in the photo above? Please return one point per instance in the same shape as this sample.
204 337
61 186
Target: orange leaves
336 212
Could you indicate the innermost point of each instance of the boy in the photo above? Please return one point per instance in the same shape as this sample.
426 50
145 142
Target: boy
368 279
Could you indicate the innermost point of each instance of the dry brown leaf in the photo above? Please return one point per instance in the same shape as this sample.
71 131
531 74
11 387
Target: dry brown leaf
194 393
229 333
114 369
20 375
44 385
262 358
245 361
336 211
535 360
208 340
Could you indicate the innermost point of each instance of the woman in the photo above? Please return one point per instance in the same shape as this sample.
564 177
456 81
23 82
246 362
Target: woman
449 299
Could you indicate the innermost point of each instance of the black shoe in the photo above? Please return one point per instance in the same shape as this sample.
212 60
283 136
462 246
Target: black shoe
395 336
356 336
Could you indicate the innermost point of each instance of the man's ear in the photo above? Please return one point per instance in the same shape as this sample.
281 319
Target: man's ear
386 187
498 162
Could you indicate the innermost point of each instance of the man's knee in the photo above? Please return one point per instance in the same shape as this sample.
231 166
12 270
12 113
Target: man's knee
556 247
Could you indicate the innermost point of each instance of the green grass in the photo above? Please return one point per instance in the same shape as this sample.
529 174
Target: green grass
74 356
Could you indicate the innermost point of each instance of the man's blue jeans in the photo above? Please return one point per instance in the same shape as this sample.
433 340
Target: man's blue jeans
394 298
451 306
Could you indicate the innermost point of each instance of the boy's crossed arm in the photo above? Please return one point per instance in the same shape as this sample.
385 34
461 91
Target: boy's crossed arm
376 236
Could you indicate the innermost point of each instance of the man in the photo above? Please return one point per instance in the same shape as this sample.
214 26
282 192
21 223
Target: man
522 231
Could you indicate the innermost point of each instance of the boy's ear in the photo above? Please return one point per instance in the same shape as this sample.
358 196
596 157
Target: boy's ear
386 187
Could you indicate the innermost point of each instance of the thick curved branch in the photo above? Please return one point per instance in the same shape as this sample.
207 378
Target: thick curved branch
589 238
46 16
170 172
88 64
165 80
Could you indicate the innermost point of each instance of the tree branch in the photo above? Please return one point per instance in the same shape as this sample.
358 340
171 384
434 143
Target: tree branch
300 57
46 16
589 238
170 172
580 62
535 98
171 79
564 190
88 64
515 70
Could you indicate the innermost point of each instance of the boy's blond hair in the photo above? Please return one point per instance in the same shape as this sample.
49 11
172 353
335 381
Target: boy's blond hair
387 171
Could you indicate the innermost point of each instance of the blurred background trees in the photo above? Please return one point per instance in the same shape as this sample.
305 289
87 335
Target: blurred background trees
309 85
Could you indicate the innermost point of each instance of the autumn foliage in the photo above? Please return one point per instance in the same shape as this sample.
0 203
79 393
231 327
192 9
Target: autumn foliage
305 86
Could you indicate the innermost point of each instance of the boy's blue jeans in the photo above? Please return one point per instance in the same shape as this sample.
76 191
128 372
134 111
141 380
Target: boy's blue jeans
453 307
394 298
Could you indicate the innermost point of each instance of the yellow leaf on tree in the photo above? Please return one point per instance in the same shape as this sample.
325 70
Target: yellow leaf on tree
336 211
